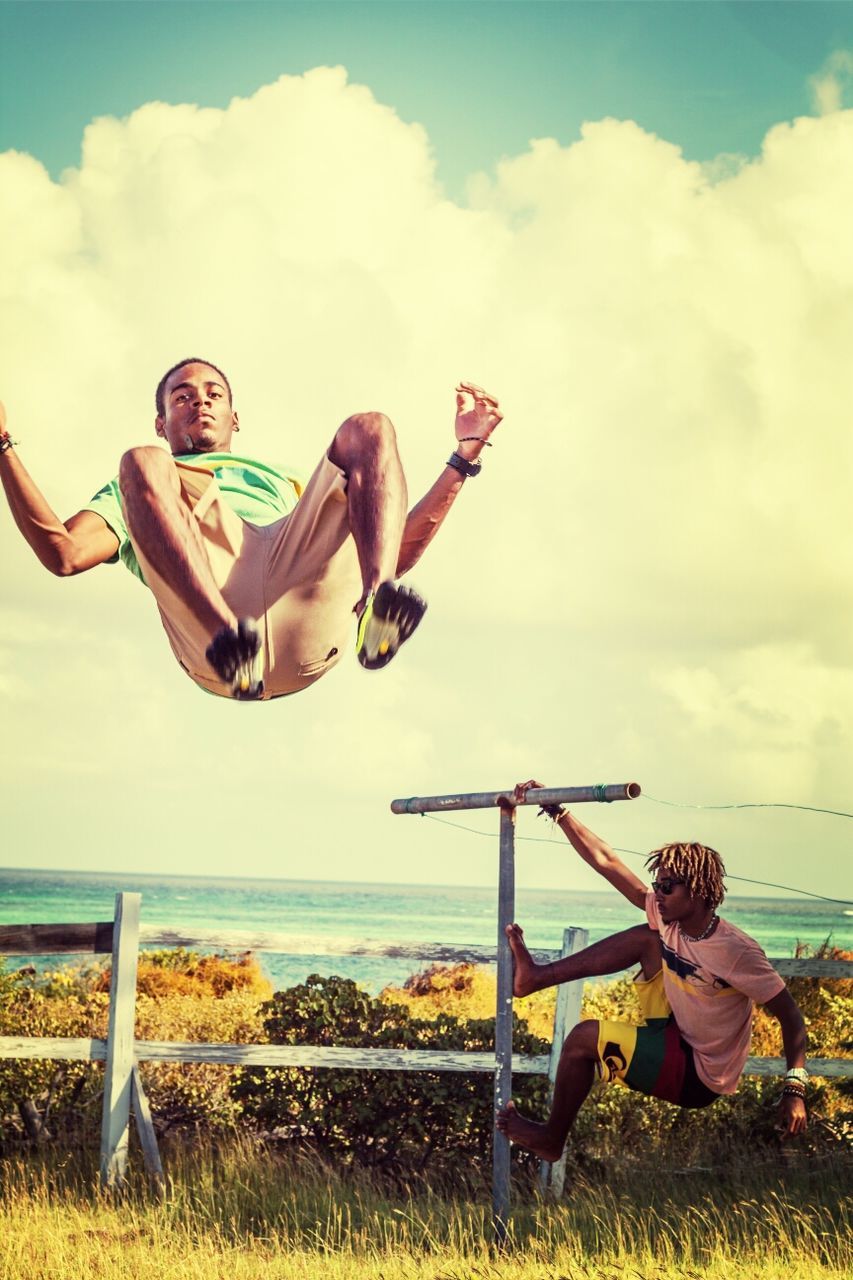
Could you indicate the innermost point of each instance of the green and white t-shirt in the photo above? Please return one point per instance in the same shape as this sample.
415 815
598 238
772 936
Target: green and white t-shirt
253 490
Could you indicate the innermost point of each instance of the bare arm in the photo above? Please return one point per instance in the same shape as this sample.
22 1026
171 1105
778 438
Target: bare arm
596 852
64 548
427 516
793 1116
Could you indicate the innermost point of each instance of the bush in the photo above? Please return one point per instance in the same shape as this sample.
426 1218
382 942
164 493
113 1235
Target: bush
379 1118
181 996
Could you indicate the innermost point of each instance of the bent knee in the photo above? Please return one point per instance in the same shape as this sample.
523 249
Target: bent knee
360 430
143 467
582 1040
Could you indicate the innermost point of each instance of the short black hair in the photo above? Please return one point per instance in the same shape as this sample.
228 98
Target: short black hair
160 394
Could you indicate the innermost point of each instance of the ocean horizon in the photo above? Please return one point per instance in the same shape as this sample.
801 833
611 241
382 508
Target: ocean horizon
377 911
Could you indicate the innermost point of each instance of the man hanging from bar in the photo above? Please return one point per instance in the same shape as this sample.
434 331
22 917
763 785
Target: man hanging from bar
698 981
255 578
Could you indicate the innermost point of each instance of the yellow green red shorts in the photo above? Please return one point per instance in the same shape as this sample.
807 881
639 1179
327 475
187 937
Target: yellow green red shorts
652 1058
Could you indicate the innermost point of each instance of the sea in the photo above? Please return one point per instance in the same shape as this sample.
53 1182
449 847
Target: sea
381 912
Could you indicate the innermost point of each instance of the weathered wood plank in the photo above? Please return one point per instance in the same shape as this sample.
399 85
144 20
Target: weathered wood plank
566 1014
145 1129
120 1046
62 1048
278 1055
56 939
304 1055
831 1068
788 967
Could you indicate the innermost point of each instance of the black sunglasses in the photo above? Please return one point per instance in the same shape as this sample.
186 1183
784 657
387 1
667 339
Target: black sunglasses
666 886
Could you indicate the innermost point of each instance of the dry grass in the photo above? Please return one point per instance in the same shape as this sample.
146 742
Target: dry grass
243 1210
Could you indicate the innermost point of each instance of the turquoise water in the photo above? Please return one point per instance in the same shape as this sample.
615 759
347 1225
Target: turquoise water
385 912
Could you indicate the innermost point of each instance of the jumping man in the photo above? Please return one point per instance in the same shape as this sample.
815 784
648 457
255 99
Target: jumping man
256 579
699 980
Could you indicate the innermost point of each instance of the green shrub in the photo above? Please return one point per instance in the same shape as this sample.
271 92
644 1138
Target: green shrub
389 1119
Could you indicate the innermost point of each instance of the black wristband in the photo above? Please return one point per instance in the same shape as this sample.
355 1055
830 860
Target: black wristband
464 467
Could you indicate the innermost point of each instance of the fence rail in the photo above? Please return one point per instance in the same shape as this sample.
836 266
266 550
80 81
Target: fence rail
122 1053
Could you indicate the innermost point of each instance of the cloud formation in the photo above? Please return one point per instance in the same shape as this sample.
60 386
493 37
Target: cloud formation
652 575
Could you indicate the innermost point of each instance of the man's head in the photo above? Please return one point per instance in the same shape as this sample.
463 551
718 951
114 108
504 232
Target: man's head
686 876
194 411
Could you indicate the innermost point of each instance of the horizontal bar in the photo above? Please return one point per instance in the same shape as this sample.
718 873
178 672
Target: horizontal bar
604 794
56 939
305 1055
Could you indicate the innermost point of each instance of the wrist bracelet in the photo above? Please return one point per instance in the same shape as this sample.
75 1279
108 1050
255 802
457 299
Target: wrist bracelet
553 811
797 1073
479 439
6 443
464 467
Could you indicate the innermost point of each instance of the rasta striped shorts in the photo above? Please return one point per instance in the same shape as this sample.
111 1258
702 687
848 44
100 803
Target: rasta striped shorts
653 1058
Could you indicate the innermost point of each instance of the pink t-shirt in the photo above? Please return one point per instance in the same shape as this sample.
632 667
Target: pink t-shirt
712 987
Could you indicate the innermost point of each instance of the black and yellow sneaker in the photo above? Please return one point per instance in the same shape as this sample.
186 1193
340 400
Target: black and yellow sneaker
389 617
236 655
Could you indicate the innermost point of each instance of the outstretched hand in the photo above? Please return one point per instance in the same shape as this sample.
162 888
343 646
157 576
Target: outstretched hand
477 416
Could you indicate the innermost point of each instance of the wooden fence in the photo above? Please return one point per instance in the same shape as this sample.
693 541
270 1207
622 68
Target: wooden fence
122 1052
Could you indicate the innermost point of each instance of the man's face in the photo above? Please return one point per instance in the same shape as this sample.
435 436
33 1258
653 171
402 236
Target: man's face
198 417
679 902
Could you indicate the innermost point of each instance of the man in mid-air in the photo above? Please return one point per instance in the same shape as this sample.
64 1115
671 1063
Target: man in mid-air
257 577
699 979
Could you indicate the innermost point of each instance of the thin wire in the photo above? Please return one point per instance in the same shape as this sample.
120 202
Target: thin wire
767 884
808 808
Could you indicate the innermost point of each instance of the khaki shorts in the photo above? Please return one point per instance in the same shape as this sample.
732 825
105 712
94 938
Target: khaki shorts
299 577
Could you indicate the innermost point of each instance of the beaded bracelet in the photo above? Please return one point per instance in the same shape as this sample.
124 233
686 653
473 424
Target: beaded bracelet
6 442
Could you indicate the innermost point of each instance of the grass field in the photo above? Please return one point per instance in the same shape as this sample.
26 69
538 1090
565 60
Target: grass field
242 1210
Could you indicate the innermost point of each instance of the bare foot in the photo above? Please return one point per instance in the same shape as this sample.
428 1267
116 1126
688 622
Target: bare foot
525 970
526 1133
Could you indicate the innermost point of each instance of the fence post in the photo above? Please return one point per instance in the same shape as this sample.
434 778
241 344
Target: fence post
147 1135
566 1014
503 1024
120 1058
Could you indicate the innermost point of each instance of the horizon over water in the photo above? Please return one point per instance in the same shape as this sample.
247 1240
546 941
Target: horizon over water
382 911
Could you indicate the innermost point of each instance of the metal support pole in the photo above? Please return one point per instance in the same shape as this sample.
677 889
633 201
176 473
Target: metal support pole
503 1024
601 793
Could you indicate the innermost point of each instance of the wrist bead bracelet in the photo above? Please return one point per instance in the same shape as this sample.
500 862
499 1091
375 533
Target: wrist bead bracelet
6 442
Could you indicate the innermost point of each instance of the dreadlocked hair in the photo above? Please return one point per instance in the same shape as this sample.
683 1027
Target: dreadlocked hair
700 867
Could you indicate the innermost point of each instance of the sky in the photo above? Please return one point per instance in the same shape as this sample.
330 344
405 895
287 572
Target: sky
631 222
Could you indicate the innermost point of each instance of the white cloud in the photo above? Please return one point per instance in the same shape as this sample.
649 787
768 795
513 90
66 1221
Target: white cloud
658 545
830 82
